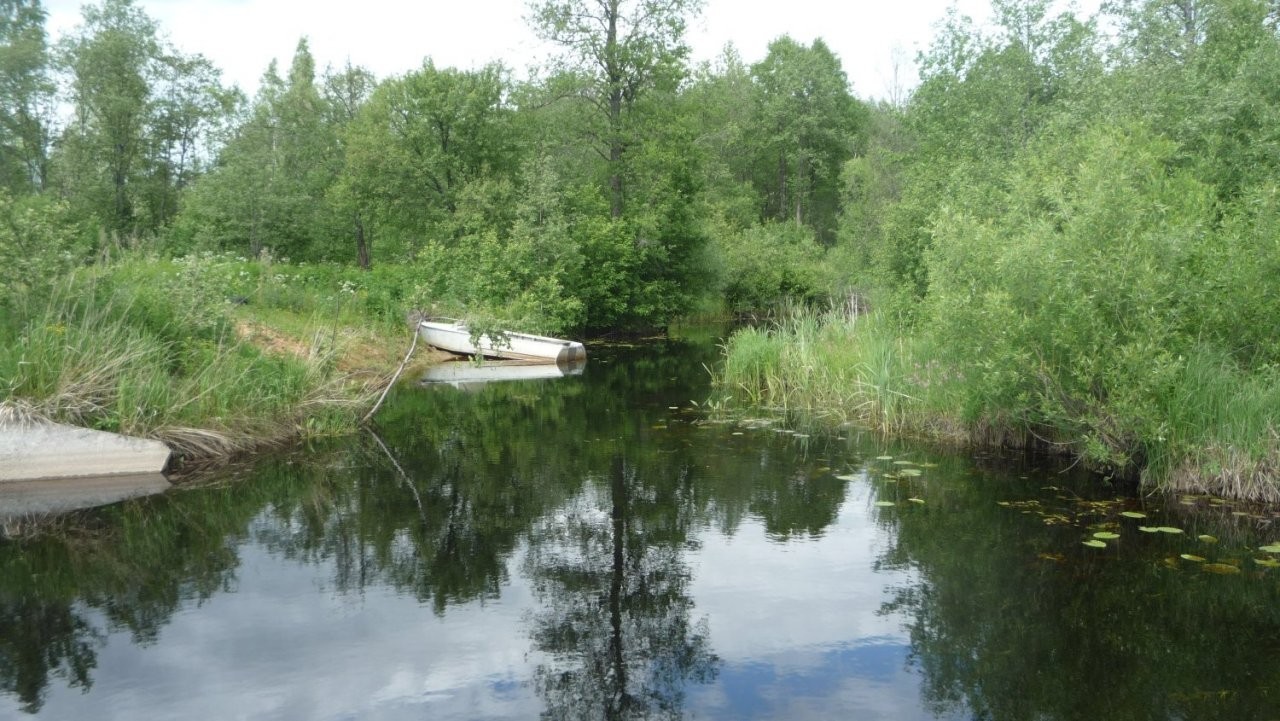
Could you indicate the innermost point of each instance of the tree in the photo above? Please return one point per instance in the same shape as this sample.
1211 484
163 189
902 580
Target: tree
625 48
190 116
345 93
26 95
808 124
421 139
146 119
272 177
109 61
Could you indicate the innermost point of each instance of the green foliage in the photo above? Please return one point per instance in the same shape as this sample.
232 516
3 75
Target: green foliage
38 242
806 127
421 138
144 115
26 94
766 265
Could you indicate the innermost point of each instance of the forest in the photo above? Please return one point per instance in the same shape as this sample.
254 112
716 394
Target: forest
1066 235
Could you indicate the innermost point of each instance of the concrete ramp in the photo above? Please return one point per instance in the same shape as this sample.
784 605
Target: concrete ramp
34 450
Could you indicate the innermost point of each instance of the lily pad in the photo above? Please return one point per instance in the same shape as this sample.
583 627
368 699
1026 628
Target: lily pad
884 458
1190 557
1168 529
1274 548
885 504
1106 535
1222 568
1148 529
1095 544
1267 562
911 472
1207 538
1133 514
847 477
904 463
916 500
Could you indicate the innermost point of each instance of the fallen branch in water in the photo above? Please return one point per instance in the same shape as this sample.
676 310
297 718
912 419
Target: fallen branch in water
412 346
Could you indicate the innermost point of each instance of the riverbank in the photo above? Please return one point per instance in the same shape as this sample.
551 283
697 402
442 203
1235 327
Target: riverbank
1205 426
213 355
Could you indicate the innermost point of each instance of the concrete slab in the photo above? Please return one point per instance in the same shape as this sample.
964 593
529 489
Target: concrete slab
32 450
27 499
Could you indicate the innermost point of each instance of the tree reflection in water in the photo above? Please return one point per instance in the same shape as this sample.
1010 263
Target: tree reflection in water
615 611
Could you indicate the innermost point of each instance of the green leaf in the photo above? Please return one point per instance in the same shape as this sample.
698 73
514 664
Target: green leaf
1168 529
1267 562
1133 514
1221 568
1106 535
1190 557
885 504
916 500
910 472
1095 544
1148 529
1207 538
1274 548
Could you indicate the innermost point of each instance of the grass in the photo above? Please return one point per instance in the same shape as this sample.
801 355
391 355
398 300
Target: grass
1212 429
838 367
156 348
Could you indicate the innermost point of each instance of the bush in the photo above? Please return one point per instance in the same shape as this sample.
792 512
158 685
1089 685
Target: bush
1072 311
766 265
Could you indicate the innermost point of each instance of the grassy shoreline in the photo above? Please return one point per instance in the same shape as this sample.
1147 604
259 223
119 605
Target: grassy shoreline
214 355
1211 429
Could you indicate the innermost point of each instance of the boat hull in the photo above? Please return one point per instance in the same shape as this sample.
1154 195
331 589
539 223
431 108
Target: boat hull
456 338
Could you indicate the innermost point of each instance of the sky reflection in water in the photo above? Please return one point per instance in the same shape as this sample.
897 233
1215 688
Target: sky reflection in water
584 548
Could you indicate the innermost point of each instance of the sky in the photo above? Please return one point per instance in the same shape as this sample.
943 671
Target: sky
394 36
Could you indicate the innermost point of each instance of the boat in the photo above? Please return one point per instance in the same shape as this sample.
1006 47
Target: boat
455 337
465 375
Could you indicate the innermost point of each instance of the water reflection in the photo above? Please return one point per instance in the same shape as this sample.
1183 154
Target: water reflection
615 617
589 549
469 375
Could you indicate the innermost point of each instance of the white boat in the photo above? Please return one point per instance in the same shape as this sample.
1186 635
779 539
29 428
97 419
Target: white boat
455 337
464 374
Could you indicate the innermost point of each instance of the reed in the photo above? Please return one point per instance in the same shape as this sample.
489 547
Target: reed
836 366
1212 428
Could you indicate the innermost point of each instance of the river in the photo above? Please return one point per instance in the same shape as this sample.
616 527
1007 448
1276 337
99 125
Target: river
600 547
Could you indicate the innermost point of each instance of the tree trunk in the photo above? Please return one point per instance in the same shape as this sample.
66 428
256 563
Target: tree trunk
782 186
362 246
614 74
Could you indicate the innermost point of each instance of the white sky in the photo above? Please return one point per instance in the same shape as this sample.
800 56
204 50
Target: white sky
393 36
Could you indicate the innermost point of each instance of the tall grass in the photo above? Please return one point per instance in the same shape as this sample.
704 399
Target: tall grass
1223 431
124 350
1213 428
836 366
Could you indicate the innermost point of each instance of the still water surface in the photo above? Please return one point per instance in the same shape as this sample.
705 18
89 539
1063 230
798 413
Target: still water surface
590 548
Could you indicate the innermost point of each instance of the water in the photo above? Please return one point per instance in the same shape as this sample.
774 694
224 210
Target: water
589 548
